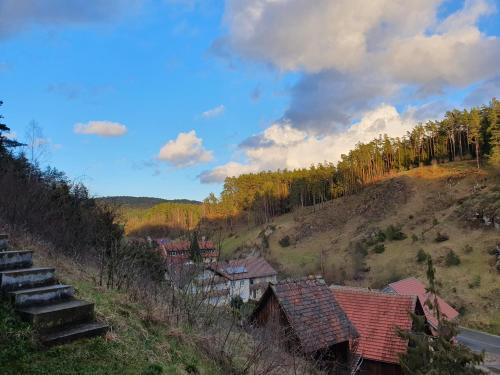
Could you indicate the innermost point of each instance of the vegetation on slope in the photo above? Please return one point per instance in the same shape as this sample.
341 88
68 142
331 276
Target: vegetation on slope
137 343
410 214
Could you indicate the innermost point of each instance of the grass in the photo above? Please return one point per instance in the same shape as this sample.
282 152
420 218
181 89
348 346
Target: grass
134 346
430 206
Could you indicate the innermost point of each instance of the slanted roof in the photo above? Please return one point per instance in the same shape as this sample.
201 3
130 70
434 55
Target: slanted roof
249 268
377 316
316 318
414 287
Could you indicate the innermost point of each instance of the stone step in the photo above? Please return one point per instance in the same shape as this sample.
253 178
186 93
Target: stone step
10 260
47 318
4 241
26 278
41 295
74 332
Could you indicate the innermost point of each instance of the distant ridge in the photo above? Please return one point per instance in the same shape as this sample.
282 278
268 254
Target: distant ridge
142 202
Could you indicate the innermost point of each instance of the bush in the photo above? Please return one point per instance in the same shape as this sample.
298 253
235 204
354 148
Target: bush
414 238
435 222
379 249
468 249
452 259
422 256
153 369
441 237
475 283
393 233
285 241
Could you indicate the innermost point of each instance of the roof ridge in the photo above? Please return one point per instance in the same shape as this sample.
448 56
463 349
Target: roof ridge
300 279
367 290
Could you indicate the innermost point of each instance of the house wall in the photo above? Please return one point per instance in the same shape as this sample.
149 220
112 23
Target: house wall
257 293
240 288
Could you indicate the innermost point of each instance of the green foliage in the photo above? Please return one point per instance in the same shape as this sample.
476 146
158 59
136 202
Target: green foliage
236 303
394 233
441 237
414 238
439 354
422 256
435 222
285 241
451 259
379 248
194 249
476 282
154 369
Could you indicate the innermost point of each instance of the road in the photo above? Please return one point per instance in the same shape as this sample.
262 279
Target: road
478 341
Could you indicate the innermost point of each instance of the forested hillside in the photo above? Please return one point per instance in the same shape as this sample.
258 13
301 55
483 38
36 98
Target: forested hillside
141 202
256 198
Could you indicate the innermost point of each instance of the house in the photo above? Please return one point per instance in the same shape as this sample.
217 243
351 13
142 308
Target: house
310 320
414 287
218 283
180 251
377 316
247 278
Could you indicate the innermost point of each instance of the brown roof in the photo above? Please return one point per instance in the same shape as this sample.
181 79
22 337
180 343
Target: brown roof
312 312
238 269
377 316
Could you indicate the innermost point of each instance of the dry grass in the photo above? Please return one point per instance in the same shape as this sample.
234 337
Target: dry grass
423 201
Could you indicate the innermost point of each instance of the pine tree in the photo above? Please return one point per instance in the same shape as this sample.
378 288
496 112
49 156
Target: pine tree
4 141
475 131
437 354
194 249
494 131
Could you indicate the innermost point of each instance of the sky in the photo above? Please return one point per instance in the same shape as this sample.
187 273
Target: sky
166 98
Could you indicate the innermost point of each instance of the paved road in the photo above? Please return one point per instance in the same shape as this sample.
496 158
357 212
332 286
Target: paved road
477 341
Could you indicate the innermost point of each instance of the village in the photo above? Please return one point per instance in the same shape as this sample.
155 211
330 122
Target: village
345 328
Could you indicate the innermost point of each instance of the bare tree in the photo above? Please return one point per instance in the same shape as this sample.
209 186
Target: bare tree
36 143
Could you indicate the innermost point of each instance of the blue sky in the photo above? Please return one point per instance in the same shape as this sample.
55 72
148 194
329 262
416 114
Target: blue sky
245 76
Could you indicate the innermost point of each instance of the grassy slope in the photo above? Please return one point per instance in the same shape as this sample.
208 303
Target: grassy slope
423 201
136 344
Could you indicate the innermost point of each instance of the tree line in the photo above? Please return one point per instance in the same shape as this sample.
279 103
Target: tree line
460 135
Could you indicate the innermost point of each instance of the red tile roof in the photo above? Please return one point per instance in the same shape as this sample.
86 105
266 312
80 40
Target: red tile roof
313 313
414 287
247 268
376 316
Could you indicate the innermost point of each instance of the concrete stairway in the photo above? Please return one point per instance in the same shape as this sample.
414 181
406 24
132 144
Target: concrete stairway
55 314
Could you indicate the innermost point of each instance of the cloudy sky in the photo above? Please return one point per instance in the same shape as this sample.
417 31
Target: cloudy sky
167 97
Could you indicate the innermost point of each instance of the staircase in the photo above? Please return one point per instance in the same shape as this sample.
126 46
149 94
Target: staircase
55 314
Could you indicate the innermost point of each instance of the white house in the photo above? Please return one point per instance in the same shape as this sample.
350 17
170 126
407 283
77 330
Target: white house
219 283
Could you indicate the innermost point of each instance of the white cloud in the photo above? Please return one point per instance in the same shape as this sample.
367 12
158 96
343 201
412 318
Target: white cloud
214 112
358 54
186 150
101 128
282 146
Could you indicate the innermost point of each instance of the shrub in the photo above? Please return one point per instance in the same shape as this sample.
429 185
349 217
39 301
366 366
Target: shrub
452 259
379 249
153 369
285 241
468 249
435 221
393 233
441 237
236 303
475 283
422 256
414 238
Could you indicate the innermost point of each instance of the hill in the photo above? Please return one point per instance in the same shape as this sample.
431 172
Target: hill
142 202
373 237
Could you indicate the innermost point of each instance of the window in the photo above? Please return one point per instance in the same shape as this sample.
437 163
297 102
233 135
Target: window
242 282
233 283
251 281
